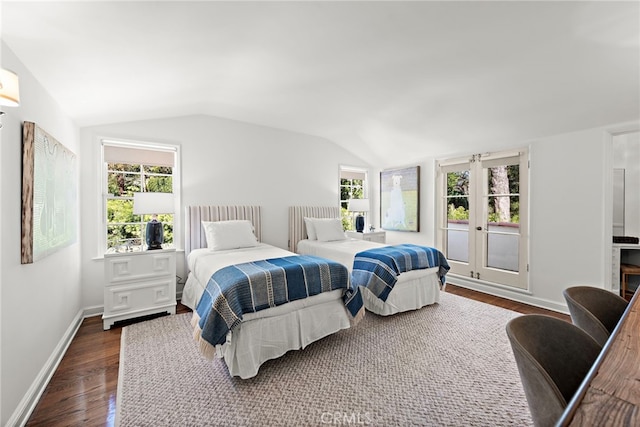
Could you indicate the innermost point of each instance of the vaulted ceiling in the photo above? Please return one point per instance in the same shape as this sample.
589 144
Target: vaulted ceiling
401 79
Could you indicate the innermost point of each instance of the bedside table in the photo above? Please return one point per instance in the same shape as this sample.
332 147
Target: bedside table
370 236
138 284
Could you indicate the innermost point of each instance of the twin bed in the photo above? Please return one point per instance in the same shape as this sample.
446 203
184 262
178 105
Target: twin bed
281 300
255 337
412 290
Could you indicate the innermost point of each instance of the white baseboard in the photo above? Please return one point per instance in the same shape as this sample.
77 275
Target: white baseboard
93 311
28 403
518 295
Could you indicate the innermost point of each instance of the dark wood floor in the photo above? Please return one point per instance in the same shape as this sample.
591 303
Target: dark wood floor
503 302
82 392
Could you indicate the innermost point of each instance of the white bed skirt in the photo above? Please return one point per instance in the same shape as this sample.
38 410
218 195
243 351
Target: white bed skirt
192 292
269 334
414 290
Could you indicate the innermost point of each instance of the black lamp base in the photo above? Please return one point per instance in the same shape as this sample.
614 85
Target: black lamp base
360 223
155 235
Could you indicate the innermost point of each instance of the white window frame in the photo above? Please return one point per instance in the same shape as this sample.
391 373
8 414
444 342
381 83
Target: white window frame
478 233
176 184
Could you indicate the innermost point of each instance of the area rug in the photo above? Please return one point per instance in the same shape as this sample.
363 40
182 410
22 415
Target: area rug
449 364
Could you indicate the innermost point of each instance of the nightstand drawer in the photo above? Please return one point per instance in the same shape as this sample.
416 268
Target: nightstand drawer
129 268
139 296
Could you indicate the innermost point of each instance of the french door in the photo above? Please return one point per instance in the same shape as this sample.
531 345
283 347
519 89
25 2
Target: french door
483 216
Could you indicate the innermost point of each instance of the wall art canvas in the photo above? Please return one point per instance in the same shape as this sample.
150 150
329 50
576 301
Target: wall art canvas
400 199
49 194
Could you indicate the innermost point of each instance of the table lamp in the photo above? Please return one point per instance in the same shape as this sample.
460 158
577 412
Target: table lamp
153 204
360 206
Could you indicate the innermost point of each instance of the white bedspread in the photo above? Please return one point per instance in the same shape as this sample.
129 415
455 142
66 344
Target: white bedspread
342 251
414 289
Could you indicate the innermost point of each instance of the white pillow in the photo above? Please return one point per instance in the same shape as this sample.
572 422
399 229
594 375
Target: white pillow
311 230
232 234
328 230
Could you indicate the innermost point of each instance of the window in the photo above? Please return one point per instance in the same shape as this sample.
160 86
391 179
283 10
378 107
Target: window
482 216
353 185
130 168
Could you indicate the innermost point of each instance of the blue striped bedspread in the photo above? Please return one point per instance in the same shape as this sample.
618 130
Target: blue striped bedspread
378 269
244 288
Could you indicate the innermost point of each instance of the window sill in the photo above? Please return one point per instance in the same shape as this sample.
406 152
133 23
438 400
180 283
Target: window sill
101 256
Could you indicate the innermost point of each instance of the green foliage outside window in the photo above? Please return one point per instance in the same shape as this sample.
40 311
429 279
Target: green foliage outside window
457 213
349 189
347 219
123 227
458 195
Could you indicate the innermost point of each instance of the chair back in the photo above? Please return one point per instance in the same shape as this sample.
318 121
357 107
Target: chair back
595 310
553 358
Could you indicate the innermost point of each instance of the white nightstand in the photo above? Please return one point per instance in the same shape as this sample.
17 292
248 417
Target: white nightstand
138 284
370 236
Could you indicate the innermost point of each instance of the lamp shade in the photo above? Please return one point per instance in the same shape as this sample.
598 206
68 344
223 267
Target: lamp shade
9 88
358 205
153 203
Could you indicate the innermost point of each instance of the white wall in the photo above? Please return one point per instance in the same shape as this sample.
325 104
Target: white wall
38 301
1 208
567 245
223 162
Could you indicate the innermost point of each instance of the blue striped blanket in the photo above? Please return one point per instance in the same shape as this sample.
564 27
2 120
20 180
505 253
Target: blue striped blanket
244 288
378 269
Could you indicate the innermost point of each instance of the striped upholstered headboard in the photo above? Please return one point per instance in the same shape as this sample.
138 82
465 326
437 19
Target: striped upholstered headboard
297 230
194 215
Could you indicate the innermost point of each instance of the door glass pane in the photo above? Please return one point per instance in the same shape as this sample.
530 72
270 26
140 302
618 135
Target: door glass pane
458 216
503 217
504 188
458 242
503 251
